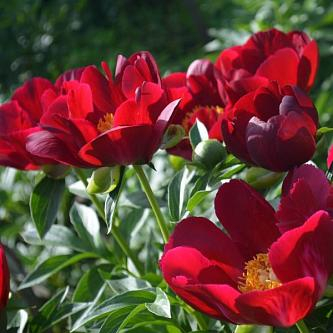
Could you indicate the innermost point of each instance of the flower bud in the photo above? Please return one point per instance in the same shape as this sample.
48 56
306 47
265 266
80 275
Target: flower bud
4 277
261 178
56 171
104 180
208 153
173 135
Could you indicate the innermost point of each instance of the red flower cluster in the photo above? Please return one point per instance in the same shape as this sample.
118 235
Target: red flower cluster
87 119
256 274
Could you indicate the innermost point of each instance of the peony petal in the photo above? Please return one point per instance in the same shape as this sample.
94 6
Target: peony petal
80 102
308 66
281 306
100 90
271 67
194 231
119 146
181 268
305 251
29 96
247 217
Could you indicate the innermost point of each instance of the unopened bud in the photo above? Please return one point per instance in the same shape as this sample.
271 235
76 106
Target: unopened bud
261 178
104 180
209 153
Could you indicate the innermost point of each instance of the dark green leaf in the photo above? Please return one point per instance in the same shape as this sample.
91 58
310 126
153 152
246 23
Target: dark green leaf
111 201
44 203
198 133
51 266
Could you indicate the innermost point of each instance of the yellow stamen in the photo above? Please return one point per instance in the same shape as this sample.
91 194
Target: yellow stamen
258 275
105 123
186 121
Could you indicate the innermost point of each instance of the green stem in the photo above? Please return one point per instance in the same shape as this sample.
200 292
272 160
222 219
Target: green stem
153 202
114 231
302 327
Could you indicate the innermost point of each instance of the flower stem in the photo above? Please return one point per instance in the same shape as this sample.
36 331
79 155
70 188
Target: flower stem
153 202
302 327
114 231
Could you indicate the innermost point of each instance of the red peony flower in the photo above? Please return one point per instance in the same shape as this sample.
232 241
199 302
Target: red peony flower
245 67
305 190
18 119
97 121
4 279
255 274
198 90
273 127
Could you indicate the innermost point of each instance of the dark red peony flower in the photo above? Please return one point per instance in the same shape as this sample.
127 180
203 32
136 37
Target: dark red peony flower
272 127
290 58
198 90
4 279
255 274
305 190
100 121
18 119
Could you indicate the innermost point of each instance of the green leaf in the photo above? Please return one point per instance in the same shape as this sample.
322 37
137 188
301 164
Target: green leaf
58 235
86 224
104 309
253 329
161 305
198 133
51 266
195 200
44 203
45 312
120 318
19 321
178 194
88 286
111 201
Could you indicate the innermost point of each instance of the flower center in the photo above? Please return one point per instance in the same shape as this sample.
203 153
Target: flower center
105 123
258 275
207 114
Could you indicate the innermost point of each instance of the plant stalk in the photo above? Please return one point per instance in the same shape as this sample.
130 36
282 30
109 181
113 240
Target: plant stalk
153 202
114 231
302 327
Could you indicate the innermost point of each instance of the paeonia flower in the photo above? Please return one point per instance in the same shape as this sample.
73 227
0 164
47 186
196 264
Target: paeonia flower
290 58
18 119
254 274
272 127
305 190
200 99
4 279
98 121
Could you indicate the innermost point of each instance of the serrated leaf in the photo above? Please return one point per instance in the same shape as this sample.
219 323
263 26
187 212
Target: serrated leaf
161 305
111 202
178 193
51 266
44 203
198 133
